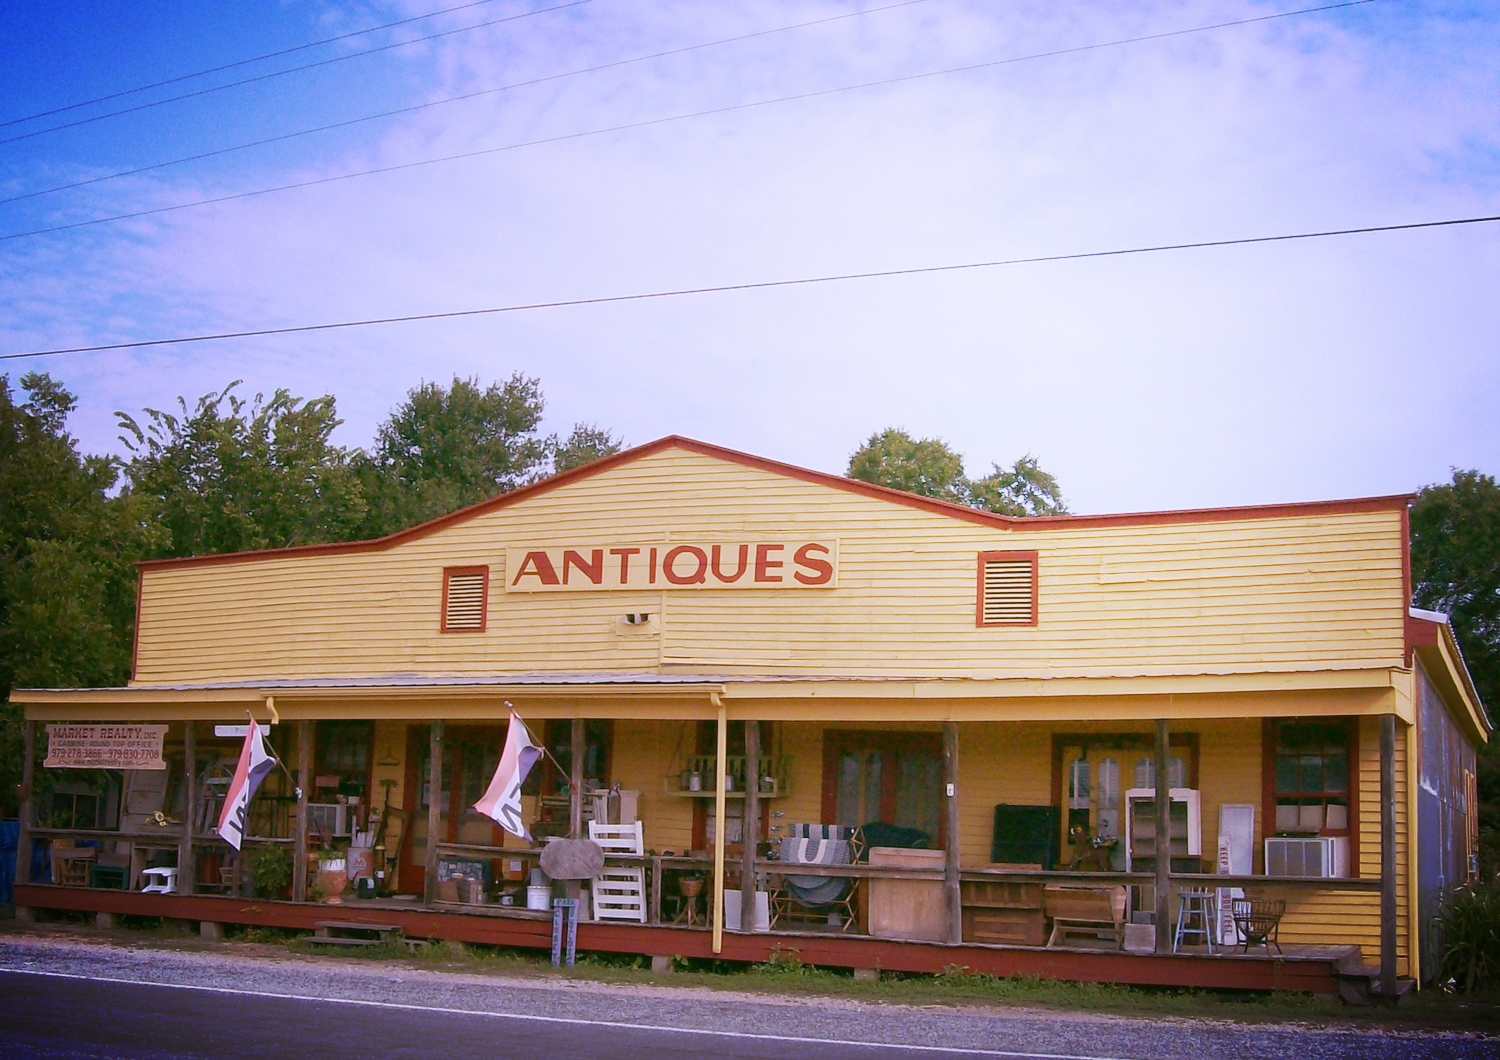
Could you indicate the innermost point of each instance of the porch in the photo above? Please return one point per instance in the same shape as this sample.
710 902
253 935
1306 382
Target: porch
421 773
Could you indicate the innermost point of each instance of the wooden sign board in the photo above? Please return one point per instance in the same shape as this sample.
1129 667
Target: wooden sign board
783 563
105 747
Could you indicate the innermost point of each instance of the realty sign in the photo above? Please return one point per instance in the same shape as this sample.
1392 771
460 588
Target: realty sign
105 747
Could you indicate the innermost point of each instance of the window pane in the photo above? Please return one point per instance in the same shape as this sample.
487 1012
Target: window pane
919 793
1286 773
1311 768
1336 771
851 788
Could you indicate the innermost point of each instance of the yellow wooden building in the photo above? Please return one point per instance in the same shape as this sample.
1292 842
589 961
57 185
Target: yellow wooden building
1004 692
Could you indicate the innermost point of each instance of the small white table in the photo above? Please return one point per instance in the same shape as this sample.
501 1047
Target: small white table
163 881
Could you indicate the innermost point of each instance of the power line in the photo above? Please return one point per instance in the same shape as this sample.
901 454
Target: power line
460 98
753 286
283 73
237 63
646 123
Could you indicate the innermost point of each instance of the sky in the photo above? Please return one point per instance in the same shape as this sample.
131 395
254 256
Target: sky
1301 370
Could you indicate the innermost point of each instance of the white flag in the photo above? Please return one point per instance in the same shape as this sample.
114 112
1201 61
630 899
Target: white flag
502 800
255 762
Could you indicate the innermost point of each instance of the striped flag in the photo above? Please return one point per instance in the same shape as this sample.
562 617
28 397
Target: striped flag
255 762
502 800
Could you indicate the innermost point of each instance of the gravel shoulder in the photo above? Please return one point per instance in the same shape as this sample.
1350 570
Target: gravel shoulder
273 969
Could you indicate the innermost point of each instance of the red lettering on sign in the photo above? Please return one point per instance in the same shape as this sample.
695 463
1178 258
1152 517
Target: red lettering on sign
624 554
764 563
592 570
538 566
698 577
652 578
738 574
823 568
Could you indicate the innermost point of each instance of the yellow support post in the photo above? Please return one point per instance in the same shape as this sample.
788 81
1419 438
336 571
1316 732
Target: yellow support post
720 825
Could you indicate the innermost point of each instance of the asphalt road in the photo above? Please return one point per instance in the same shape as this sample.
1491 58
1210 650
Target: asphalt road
82 998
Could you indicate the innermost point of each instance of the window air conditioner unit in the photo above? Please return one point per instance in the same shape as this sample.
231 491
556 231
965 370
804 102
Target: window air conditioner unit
1325 857
328 819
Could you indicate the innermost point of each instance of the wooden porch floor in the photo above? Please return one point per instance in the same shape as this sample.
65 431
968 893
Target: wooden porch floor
1312 969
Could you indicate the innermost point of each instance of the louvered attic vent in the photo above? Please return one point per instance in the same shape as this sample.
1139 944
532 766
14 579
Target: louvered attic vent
1007 589
465 595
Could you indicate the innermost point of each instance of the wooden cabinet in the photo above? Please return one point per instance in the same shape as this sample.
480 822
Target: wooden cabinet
1141 833
907 909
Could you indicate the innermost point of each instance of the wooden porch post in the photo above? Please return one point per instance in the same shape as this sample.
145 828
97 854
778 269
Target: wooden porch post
1388 855
719 826
951 890
28 776
579 743
750 826
434 811
1163 841
304 789
187 869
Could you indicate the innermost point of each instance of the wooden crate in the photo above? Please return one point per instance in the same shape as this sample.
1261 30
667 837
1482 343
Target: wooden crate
1002 894
1007 927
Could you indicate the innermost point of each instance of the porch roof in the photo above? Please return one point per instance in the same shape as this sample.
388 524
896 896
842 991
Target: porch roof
697 696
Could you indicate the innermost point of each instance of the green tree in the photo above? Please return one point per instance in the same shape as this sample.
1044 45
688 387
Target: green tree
931 468
1455 567
927 467
586 444
230 475
1022 489
446 447
67 551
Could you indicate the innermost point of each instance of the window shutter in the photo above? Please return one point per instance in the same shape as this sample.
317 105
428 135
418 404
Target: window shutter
465 599
1007 589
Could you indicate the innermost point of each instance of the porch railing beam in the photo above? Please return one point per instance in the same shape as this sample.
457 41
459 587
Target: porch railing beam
952 891
434 811
28 777
1163 885
1388 855
187 869
304 791
750 826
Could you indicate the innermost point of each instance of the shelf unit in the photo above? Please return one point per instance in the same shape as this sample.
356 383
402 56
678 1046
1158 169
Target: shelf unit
1186 835
1006 912
775 773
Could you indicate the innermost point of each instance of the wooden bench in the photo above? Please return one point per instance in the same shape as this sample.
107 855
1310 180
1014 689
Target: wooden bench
353 933
1085 913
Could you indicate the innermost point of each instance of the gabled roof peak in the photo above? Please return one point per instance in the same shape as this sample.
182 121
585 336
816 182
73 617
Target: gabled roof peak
776 467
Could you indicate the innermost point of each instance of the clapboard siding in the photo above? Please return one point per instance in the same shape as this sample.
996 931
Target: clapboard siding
1299 591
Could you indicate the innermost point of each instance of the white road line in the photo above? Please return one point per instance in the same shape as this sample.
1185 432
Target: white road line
619 1025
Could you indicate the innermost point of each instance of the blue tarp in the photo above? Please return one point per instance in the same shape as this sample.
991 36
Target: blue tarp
10 834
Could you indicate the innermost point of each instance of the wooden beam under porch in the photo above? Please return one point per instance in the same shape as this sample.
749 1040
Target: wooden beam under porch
1309 969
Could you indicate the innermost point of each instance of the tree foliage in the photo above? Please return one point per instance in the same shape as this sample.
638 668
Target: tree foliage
586 444
229 475
446 447
67 552
929 467
1455 567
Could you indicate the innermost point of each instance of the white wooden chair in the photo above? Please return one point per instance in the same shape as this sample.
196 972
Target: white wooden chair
619 893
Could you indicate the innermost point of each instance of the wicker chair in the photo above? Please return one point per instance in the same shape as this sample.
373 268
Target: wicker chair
1257 920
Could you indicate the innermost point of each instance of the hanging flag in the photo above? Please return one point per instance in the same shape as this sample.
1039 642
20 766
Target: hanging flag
502 800
255 762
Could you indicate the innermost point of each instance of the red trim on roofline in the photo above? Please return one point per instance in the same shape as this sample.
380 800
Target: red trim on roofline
822 478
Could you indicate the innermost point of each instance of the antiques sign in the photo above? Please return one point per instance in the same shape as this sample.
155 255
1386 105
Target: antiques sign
788 563
105 746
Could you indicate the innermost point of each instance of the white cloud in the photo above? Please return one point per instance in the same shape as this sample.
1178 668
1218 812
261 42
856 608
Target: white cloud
1222 376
